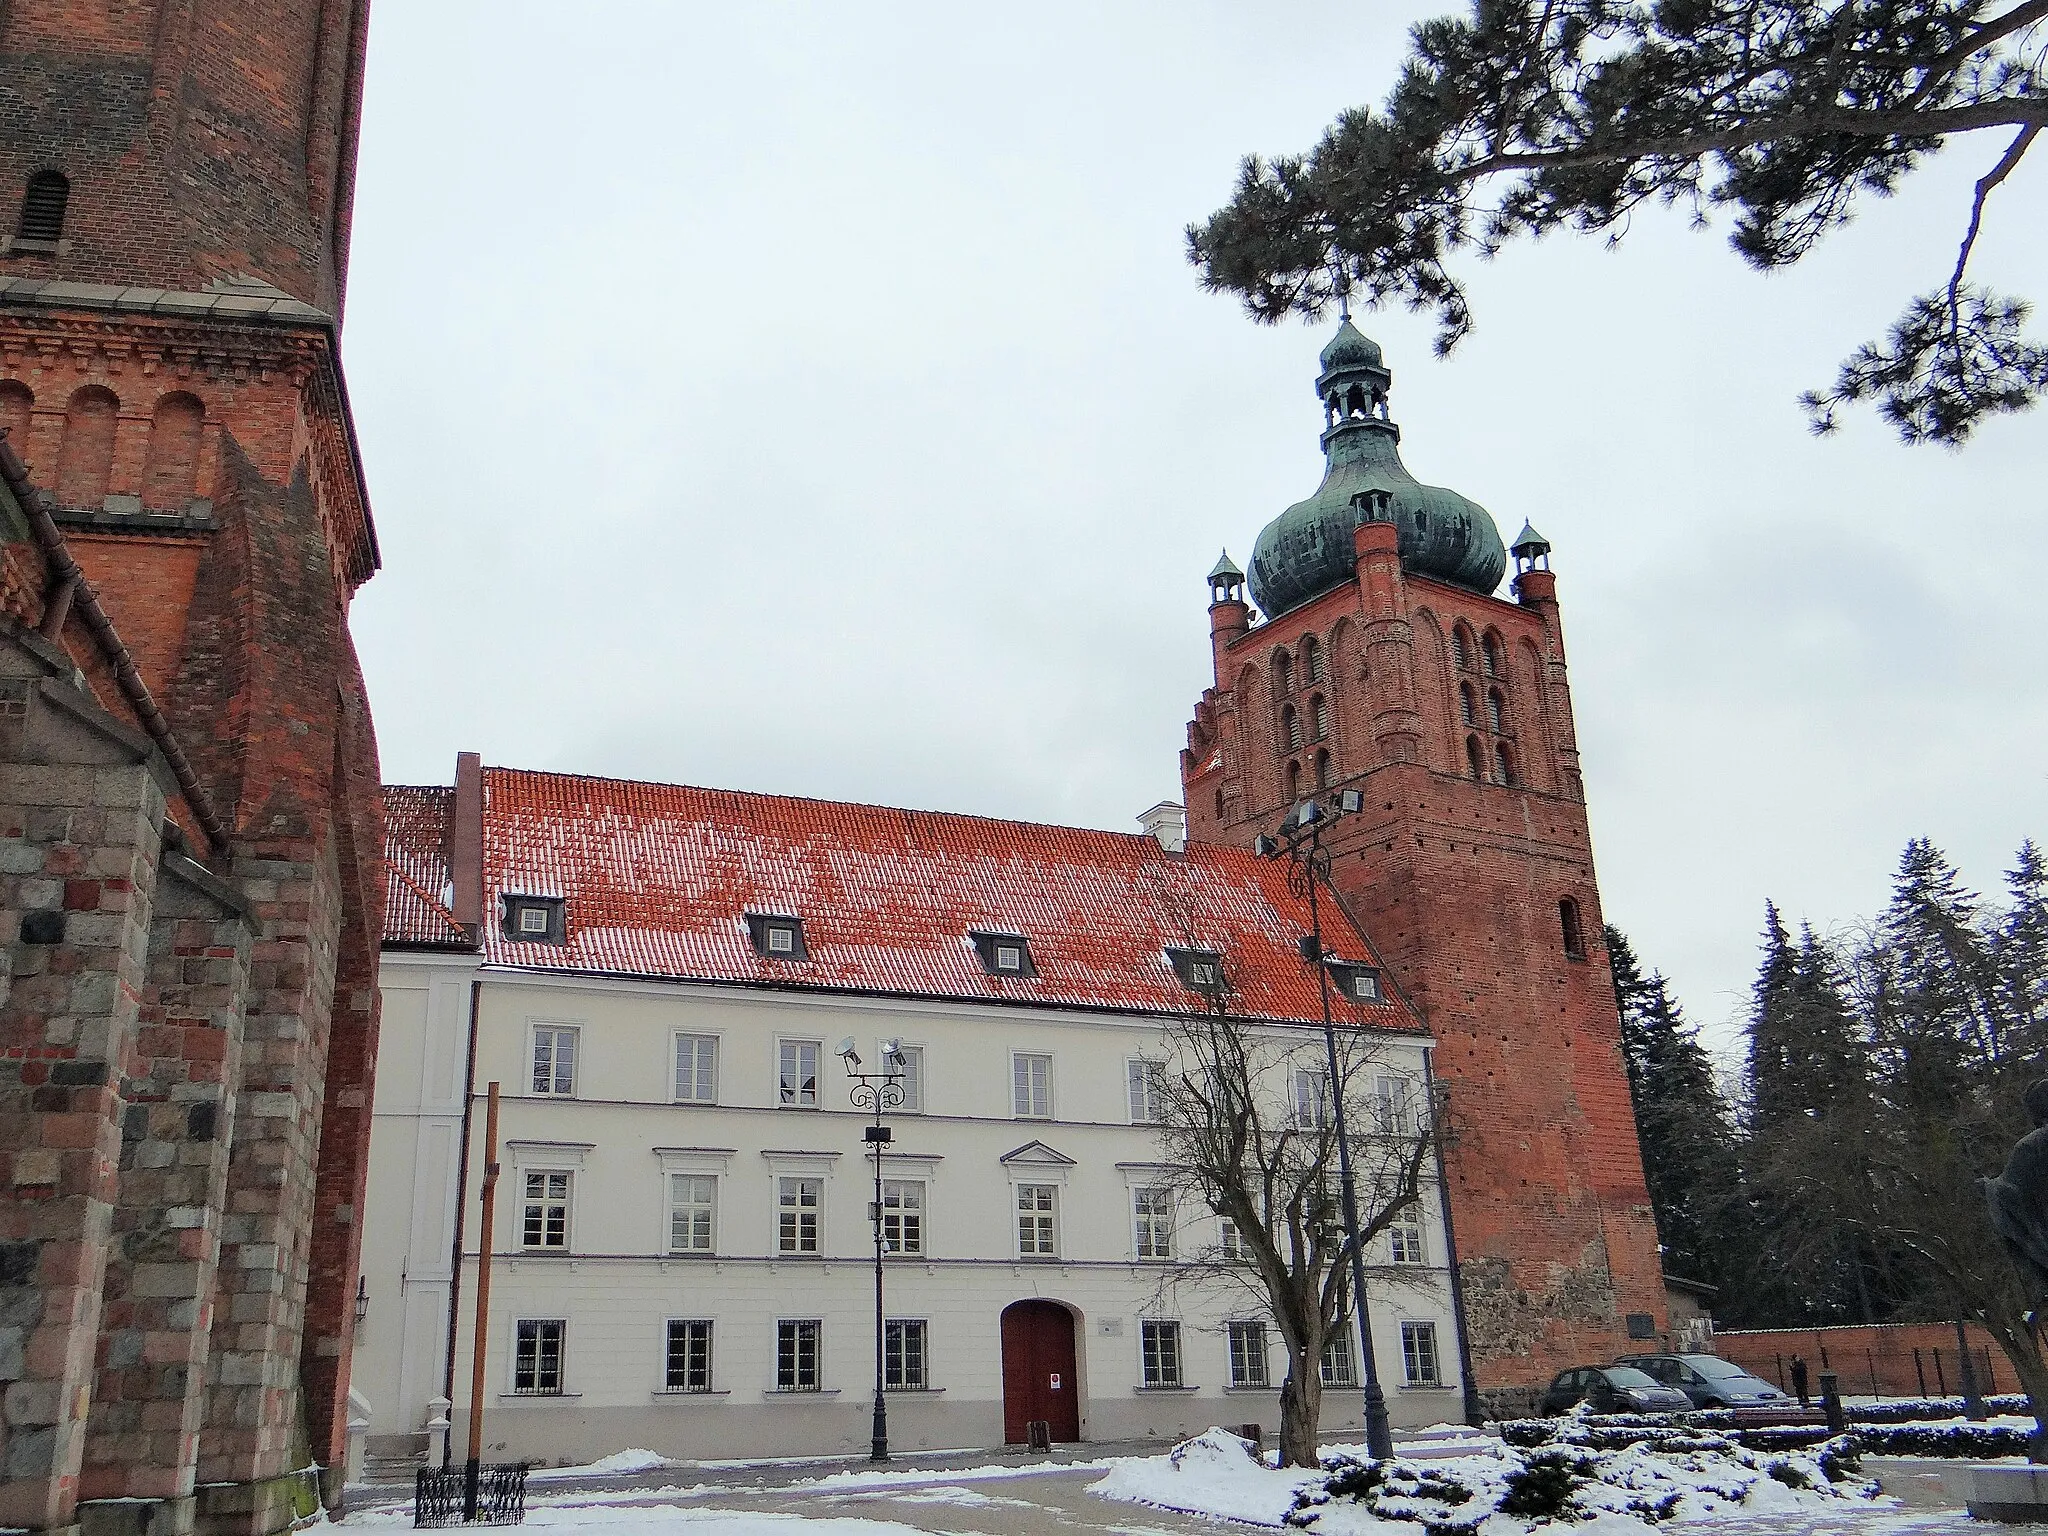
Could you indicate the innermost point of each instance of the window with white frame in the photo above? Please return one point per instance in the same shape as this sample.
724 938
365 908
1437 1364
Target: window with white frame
1230 1241
1159 1352
911 1065
537 1356
1038 1221
1393 1112
798 1084
1031 1086
1404 1235
797 1204
903 1355
1418 1355
903 1215
689 1354
544 1218
796 1354
1340 1361
696 1069
1247 1353
1311 1098
1153 1211
554 1060
692 1212
1146 1082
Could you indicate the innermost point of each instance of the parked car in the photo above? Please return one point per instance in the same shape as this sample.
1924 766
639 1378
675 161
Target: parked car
1708 1381
1612 1389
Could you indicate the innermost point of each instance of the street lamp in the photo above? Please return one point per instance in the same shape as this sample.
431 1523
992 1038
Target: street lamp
877 1091
1300 842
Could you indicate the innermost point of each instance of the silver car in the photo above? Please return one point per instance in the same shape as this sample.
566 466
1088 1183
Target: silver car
1708 1381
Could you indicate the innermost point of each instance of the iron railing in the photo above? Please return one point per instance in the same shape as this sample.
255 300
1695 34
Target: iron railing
470 1495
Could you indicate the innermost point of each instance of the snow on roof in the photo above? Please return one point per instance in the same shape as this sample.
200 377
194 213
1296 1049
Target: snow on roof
416 889
658 879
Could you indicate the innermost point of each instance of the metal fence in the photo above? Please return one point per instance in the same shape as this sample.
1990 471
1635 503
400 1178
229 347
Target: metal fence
1880 1373
470 1495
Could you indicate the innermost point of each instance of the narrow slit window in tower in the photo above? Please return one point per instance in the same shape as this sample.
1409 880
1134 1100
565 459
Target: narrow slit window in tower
1568 922
1472 758
1493 710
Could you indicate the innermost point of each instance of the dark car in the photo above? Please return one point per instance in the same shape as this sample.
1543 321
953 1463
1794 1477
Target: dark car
1708 1381
1612 1389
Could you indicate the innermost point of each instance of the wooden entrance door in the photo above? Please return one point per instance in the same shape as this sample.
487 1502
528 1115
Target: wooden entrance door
1038 1371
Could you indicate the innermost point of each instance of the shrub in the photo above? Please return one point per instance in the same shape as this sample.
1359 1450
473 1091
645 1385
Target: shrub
1542 1488
1955 1439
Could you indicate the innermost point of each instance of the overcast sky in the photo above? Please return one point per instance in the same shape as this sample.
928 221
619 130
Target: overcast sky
817 399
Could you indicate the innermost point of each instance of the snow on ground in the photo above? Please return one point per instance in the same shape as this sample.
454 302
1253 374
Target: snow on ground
619 1461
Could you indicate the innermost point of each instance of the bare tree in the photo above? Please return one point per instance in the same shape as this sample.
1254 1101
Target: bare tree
1248 1130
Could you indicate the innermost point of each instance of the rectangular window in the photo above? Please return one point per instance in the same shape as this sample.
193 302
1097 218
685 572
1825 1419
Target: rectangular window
1247 1354
692 1212
1340 1362
537 1356
545 1223
554 1060
689 1354
1159 1351
1311 1099
903 1215
1031 1080
1146 1081
1038 1221
796 1354
696 1069
1392 1113
1154 1211
910 1062
903 1355
797 1202
1231 1241
799 1079
1418 1354
1404 1235
781 939
533 920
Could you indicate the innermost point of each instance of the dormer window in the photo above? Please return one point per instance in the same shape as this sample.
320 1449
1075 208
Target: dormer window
535 919
1359 983
1004 954
1199 970
777 937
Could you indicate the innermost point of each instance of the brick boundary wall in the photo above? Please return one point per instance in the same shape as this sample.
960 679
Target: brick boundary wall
1872 1359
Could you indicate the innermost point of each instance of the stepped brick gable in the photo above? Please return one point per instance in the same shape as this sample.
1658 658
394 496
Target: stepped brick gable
1390 668
191 890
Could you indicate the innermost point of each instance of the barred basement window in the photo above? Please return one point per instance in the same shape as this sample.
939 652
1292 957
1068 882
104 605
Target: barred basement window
537 1356
1159 1353
1418 1354
796 1354
689 1355
1340 1361
903 1355
1247 1354
42 209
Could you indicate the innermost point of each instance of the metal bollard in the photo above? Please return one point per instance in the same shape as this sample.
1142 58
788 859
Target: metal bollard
1255 1433
1038 1435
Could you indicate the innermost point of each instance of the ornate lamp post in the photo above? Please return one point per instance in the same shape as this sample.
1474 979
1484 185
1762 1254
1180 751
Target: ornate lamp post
1300 842
877 1091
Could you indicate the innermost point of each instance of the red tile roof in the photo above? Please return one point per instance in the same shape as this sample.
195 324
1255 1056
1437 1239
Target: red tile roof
658 879
416 870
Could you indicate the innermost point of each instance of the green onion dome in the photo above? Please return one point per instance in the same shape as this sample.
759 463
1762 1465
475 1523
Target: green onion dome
1307 550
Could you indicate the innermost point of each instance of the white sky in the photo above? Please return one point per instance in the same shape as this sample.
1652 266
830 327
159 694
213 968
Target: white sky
816 398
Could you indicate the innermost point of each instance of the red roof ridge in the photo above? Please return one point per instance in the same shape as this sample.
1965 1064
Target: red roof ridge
1226 849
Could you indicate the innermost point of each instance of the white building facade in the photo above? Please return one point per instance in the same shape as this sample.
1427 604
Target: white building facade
683 1250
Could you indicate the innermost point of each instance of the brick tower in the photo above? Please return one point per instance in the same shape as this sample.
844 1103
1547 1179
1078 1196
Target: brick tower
1385 664
190 895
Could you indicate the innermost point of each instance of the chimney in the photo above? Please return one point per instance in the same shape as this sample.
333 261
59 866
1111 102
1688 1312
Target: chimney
466 846
1168 822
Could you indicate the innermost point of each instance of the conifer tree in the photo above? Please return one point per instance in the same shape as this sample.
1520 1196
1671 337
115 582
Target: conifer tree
1688 1143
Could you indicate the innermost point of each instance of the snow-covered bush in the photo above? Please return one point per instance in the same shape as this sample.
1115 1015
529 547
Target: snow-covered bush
1908 1410
1668 1474
1956 1438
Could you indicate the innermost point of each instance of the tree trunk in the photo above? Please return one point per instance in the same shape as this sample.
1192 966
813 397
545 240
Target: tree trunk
2022 1348
1301 1412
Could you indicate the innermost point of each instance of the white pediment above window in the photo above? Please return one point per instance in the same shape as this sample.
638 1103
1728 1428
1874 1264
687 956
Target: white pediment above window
1035 1155
694 1159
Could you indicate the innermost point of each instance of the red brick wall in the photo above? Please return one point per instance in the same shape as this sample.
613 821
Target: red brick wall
1874 1360
201 141
1458 881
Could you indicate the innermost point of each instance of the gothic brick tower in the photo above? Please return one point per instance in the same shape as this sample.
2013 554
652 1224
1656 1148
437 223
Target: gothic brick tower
1386 665
190 895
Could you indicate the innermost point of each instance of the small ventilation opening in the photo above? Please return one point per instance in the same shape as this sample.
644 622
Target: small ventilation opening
42 209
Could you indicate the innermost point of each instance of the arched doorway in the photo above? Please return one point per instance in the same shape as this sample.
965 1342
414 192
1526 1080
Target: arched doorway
1039 1379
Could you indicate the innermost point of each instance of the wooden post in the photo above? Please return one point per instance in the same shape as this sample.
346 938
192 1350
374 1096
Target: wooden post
485 1235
